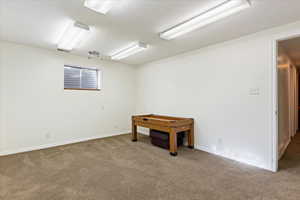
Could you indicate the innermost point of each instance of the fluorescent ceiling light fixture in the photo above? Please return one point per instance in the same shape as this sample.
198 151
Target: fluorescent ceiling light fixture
73 36
128 51
227 8
101 6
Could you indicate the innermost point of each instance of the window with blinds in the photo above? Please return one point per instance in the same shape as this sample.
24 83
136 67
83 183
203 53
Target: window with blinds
79 78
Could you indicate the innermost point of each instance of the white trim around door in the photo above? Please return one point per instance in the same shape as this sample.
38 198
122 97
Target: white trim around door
274 84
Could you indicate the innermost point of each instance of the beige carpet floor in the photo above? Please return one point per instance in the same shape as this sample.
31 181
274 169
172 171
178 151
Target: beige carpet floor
117 169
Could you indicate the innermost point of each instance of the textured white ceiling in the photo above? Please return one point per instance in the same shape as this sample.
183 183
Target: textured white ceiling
40 23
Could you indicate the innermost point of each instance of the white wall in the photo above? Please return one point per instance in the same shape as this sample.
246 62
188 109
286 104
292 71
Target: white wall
217 86
283 108
37 112
227 88
1 103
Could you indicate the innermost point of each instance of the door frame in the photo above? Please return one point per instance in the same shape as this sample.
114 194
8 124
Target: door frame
274 109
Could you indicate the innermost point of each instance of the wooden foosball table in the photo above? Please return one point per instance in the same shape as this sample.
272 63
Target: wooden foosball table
171 125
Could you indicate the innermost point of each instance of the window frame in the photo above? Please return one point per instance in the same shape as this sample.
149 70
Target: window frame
99 78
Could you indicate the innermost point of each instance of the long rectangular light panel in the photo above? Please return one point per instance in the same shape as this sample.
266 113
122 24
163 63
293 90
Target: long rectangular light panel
227 8
128 51
101 6
73 36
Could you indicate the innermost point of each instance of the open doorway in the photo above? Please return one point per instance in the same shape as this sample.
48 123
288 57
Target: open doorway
288 62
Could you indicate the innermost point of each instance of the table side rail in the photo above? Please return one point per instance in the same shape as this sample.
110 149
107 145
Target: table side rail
164 122
152 126
155 126
161 117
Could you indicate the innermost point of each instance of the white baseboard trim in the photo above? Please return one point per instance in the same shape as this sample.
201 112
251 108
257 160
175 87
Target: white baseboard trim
46 146
144 133
282 150
209 150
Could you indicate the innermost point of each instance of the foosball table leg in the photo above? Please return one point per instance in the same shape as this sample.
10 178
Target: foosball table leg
134 132
173 143
191 136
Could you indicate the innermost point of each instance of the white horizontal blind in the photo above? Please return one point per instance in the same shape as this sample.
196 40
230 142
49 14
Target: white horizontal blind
81 78
89 79
72 77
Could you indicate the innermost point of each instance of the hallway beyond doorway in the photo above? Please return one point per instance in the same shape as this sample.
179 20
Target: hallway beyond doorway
291 159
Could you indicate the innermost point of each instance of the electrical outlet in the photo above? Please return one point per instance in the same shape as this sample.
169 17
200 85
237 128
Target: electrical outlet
48 135
254 91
